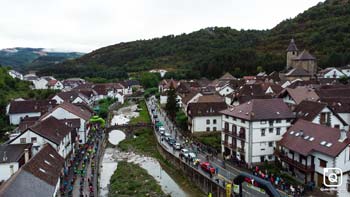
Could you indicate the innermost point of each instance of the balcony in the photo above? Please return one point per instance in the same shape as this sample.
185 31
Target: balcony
228 145
295 164
241 150
226 131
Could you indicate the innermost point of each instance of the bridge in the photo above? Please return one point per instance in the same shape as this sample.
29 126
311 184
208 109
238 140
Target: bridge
129 126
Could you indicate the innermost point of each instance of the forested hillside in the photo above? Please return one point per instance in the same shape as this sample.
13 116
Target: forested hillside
323 29
14 88
33 57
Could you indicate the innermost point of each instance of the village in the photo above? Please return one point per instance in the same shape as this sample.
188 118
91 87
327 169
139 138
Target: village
285 127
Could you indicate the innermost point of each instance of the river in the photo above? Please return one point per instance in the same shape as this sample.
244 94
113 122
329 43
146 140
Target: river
113 155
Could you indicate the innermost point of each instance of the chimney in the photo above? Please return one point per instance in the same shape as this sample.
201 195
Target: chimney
26 155
343 136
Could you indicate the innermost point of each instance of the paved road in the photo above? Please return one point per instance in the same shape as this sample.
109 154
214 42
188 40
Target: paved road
224 175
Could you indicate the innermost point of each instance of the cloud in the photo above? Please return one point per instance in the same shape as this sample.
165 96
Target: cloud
85 25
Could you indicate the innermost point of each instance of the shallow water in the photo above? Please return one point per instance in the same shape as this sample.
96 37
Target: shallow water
113 155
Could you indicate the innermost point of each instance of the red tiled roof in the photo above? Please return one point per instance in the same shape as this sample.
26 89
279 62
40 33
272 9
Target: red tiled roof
319 133
52 170
29 106
308 110
74 109
51 129
261 109
205 108
52 82
300 93
78 111
70 96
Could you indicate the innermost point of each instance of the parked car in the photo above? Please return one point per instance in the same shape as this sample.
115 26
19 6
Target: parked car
161 130
171 141
167 136
191 156
177 146
207 167
184 152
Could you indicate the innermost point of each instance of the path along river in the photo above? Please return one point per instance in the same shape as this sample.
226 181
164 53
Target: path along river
113 155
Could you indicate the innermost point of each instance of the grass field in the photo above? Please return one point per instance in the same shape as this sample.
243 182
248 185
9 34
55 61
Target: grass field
144 116
136 182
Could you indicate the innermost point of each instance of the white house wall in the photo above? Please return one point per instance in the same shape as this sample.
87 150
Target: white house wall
6 170
334 120
40 141
15 119
199 124
61 114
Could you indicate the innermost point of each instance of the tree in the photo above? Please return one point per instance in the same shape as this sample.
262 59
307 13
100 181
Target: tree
149 80
344 80
171 106
259 69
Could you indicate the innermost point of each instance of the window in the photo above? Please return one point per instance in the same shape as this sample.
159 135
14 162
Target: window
33 139
262 132
262 158
337 126
323 163
271 123
214 128
22 140
263 122
278 131
270 130
234 128
208 121
214 121
243 121
278 121
270 144
270 157
226 116
208 128
233 118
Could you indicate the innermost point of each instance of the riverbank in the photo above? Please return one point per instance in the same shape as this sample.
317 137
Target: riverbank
141 144
145 144
137 182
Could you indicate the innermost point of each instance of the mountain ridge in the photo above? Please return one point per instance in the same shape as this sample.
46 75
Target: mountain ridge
323 30
19 57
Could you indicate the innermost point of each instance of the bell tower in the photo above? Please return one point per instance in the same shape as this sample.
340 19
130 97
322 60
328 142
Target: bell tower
292 53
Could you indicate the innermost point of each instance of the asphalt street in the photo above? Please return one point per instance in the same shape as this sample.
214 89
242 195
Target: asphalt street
223 175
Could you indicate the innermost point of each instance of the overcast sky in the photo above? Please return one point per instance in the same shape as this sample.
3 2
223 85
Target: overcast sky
85 25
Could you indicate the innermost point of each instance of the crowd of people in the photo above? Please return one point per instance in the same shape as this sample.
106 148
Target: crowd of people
81 161
295 190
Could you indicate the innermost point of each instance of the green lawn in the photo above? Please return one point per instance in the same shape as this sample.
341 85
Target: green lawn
144 143
136 182
144 116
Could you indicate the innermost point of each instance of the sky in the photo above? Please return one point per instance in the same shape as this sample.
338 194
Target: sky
86 25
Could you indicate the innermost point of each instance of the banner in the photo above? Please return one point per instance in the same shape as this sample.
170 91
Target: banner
228 190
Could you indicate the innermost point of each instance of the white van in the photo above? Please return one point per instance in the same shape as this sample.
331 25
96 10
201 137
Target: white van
161 130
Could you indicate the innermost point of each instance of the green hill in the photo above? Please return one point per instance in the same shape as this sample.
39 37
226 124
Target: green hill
33 57
323 30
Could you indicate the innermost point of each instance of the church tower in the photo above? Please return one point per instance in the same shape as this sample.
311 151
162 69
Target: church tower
292 53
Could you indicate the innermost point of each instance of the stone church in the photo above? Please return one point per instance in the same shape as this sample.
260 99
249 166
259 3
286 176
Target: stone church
303 60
